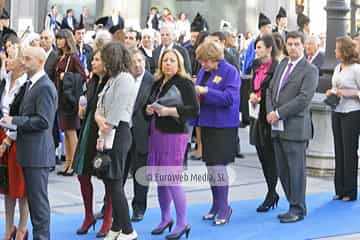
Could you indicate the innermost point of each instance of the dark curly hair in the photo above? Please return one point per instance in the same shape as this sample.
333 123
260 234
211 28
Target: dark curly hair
116 58
347 48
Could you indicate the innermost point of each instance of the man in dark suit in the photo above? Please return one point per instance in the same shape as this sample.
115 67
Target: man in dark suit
46 42
313 53
288 106
85 52
168 38
69 21
137 156
35 148
281 23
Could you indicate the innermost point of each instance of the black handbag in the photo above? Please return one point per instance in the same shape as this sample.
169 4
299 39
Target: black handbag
101 164
332 101
4 178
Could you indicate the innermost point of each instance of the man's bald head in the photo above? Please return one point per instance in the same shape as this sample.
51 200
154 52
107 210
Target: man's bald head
34 59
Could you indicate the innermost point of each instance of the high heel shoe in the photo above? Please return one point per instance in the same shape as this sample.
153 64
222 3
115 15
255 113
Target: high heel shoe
160 230
131 236
175 236
85 227
62 172
270 202
68 173
25 234
12 234
209 216
222 221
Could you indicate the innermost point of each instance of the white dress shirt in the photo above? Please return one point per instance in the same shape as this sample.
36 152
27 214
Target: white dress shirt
8 97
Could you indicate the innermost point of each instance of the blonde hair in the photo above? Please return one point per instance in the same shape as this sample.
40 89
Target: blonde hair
210 50
181 72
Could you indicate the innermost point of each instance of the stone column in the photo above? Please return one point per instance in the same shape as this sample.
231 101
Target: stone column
336 20
320 154
355 5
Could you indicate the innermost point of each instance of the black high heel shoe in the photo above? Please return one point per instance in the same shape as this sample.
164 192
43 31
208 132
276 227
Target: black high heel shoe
69 173
175 236
270 202
84 229
160 230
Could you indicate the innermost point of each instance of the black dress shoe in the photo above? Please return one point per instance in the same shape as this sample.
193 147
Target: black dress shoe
137 217
175 236
291 219
160 230
240 155
283 215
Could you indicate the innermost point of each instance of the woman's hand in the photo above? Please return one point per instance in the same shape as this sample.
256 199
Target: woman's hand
161 111
331 91
62 76
200 90
100 144
347 93
149 110
82 111
254 99
104 127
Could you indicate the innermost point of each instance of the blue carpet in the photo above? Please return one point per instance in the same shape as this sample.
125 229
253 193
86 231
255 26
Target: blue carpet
325 218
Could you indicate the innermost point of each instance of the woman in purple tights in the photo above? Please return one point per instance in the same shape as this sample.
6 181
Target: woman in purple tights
218 87
168 137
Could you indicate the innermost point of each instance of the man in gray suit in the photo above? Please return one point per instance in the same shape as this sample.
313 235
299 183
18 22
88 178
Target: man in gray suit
35 146
288 106
137 156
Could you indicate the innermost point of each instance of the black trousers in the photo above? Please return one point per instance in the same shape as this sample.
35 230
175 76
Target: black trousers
121 219
266 156
135 161
346 130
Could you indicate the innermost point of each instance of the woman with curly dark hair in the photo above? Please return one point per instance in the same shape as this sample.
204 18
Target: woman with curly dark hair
346 118
113 116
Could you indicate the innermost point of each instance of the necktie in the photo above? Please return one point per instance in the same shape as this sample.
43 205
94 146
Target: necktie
285 78
27 86
309 58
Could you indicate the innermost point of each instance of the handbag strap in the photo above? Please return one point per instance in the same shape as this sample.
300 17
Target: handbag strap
67 64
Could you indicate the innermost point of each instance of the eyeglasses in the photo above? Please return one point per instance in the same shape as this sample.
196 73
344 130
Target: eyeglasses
44 38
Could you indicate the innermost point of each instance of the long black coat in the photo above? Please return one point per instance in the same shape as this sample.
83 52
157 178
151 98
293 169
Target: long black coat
92 92
260 129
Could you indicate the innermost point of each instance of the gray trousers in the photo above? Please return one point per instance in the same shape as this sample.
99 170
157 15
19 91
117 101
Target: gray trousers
36 183
290 158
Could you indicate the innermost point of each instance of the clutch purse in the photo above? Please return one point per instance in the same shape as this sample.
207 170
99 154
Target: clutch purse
101 164
332 101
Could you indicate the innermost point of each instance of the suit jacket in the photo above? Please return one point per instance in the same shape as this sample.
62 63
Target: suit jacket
140 127
65 24
319 61
110 23
35 145
88 52
183 52
50 65
293 103
219 107
154 22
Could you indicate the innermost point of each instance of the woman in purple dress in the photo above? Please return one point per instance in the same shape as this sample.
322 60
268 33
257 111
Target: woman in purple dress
168 138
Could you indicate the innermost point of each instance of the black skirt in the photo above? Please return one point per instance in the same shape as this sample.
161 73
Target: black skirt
219 145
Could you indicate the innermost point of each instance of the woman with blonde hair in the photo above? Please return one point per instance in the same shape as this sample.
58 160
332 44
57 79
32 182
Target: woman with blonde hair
345 118
218 86
169 137
12 89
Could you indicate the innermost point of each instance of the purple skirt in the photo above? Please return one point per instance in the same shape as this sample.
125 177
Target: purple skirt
166 149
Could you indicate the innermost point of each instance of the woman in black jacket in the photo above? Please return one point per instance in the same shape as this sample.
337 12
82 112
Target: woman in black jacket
169 137
86 149
260 129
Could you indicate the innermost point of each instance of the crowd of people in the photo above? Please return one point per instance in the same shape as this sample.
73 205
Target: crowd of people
128 99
